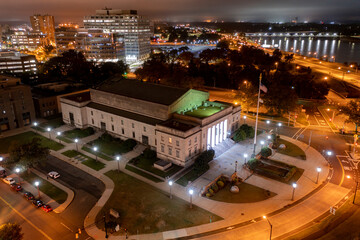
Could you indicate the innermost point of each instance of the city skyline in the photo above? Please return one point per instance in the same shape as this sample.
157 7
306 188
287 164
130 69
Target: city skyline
275 11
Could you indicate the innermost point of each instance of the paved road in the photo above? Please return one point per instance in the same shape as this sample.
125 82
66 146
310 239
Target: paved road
40 225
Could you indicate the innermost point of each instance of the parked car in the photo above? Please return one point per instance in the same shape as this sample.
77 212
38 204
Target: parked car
46 208
29 196
16 187
9 180
54 175
2 172
37 203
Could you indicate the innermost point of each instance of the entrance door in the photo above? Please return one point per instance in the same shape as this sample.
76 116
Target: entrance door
103 126
72 120
145 140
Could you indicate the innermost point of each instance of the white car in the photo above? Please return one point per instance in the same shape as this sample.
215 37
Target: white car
53 174
9 180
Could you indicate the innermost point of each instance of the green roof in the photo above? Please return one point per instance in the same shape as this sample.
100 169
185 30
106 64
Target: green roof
203 112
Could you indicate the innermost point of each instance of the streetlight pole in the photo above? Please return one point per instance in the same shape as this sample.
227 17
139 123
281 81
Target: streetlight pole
35 125
1 159
244 119
245 156
264 217
95 150
170 184
106 235
59 134
37 183
318 173
191 192
17 170
76 144
357 183
118 162
49 130
294 185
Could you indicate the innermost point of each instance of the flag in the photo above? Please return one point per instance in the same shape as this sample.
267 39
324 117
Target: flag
261 101
263 88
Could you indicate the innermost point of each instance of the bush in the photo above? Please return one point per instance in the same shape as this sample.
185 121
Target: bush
252 163
89 131
239 135
211 191
220 184
290 174
106 137
149 154
215 187
265 152
209 195
249 131
201 163
129 144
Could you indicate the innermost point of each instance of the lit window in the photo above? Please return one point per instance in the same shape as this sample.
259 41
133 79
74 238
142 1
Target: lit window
170 140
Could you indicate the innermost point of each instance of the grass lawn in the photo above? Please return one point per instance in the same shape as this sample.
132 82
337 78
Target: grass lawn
99 154
141 173
291 150
90 162
111 148
52 123
247 194
189 176
46 187
147 164
345 224
64 139
77 133
26 137
146 209
203 112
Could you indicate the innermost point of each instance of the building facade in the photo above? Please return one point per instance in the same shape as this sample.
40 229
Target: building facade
134 28
18 63
178 123
44 24
24 40
16 105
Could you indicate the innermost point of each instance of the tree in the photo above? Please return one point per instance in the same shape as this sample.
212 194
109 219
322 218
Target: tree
11 231
224 44
289 58
29 154
352 110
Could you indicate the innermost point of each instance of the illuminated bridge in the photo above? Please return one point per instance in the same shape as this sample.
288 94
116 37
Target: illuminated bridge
293 34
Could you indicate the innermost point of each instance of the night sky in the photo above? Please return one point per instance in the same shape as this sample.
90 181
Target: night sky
190 10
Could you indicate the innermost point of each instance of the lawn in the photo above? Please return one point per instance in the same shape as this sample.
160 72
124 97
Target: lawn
189 176
291 150
64 139
147 164
142 173
99 154
26 137
146 209
247 194
52 123
90 162
46 187
345 224
78 133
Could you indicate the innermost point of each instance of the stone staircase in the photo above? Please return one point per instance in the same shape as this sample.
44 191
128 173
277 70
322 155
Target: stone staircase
223 146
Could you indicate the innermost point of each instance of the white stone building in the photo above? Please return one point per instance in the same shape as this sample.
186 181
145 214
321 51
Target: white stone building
178 123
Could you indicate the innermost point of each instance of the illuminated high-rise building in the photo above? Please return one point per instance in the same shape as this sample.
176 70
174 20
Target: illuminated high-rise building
44 24
134 28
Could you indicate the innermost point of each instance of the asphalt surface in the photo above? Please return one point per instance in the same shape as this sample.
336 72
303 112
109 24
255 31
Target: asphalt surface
38 224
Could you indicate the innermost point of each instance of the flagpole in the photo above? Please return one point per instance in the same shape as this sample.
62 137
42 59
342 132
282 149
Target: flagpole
257 115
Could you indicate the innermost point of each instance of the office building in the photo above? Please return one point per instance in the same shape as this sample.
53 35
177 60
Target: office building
178 123
134 28
44 24
16 105
18 63
25 40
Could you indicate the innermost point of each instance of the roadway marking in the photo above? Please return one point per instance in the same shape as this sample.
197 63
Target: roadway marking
67 227
343 171
23 217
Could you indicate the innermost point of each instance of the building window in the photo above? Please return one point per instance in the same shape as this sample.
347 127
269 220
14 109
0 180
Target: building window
190 142
177 143
162 138
195 139
155 142
92 113
162 148
177 153
122 131
112 119
170 151
112 127
195 150
132 125
133 134
144 129
122 122
170 140
92 121
189 152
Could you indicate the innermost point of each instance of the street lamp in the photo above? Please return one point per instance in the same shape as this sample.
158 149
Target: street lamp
244 119
191 192
245 156
37 183
95 150
35 125
318 169
267 121
17 170
294 185
356 187
264 217
170 184
269 137
1 159
76 144
59 134
49 130
262 143
118 161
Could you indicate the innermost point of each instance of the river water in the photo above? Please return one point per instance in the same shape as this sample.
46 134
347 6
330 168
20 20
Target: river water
334 49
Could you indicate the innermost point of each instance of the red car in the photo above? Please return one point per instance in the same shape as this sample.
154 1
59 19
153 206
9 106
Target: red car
16 187
46 208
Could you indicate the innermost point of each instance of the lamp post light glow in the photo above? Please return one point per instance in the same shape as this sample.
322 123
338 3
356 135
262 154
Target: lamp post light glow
37 183
294 185
17 170
1 159
191 192
59 134
318 169
35 125
264 217
267 121
245 156
269 137
118 162
244 119
170 184
76 144
49 130
95 150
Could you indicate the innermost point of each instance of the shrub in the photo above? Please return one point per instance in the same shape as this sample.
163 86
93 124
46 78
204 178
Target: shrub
89 131
106 137
215 187
290 174
239 135
208 195
201 163
211 191
265 152
149 154
249 131
252 163
220 184
129 144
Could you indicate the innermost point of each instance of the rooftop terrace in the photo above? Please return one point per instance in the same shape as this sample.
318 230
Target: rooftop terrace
206 110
